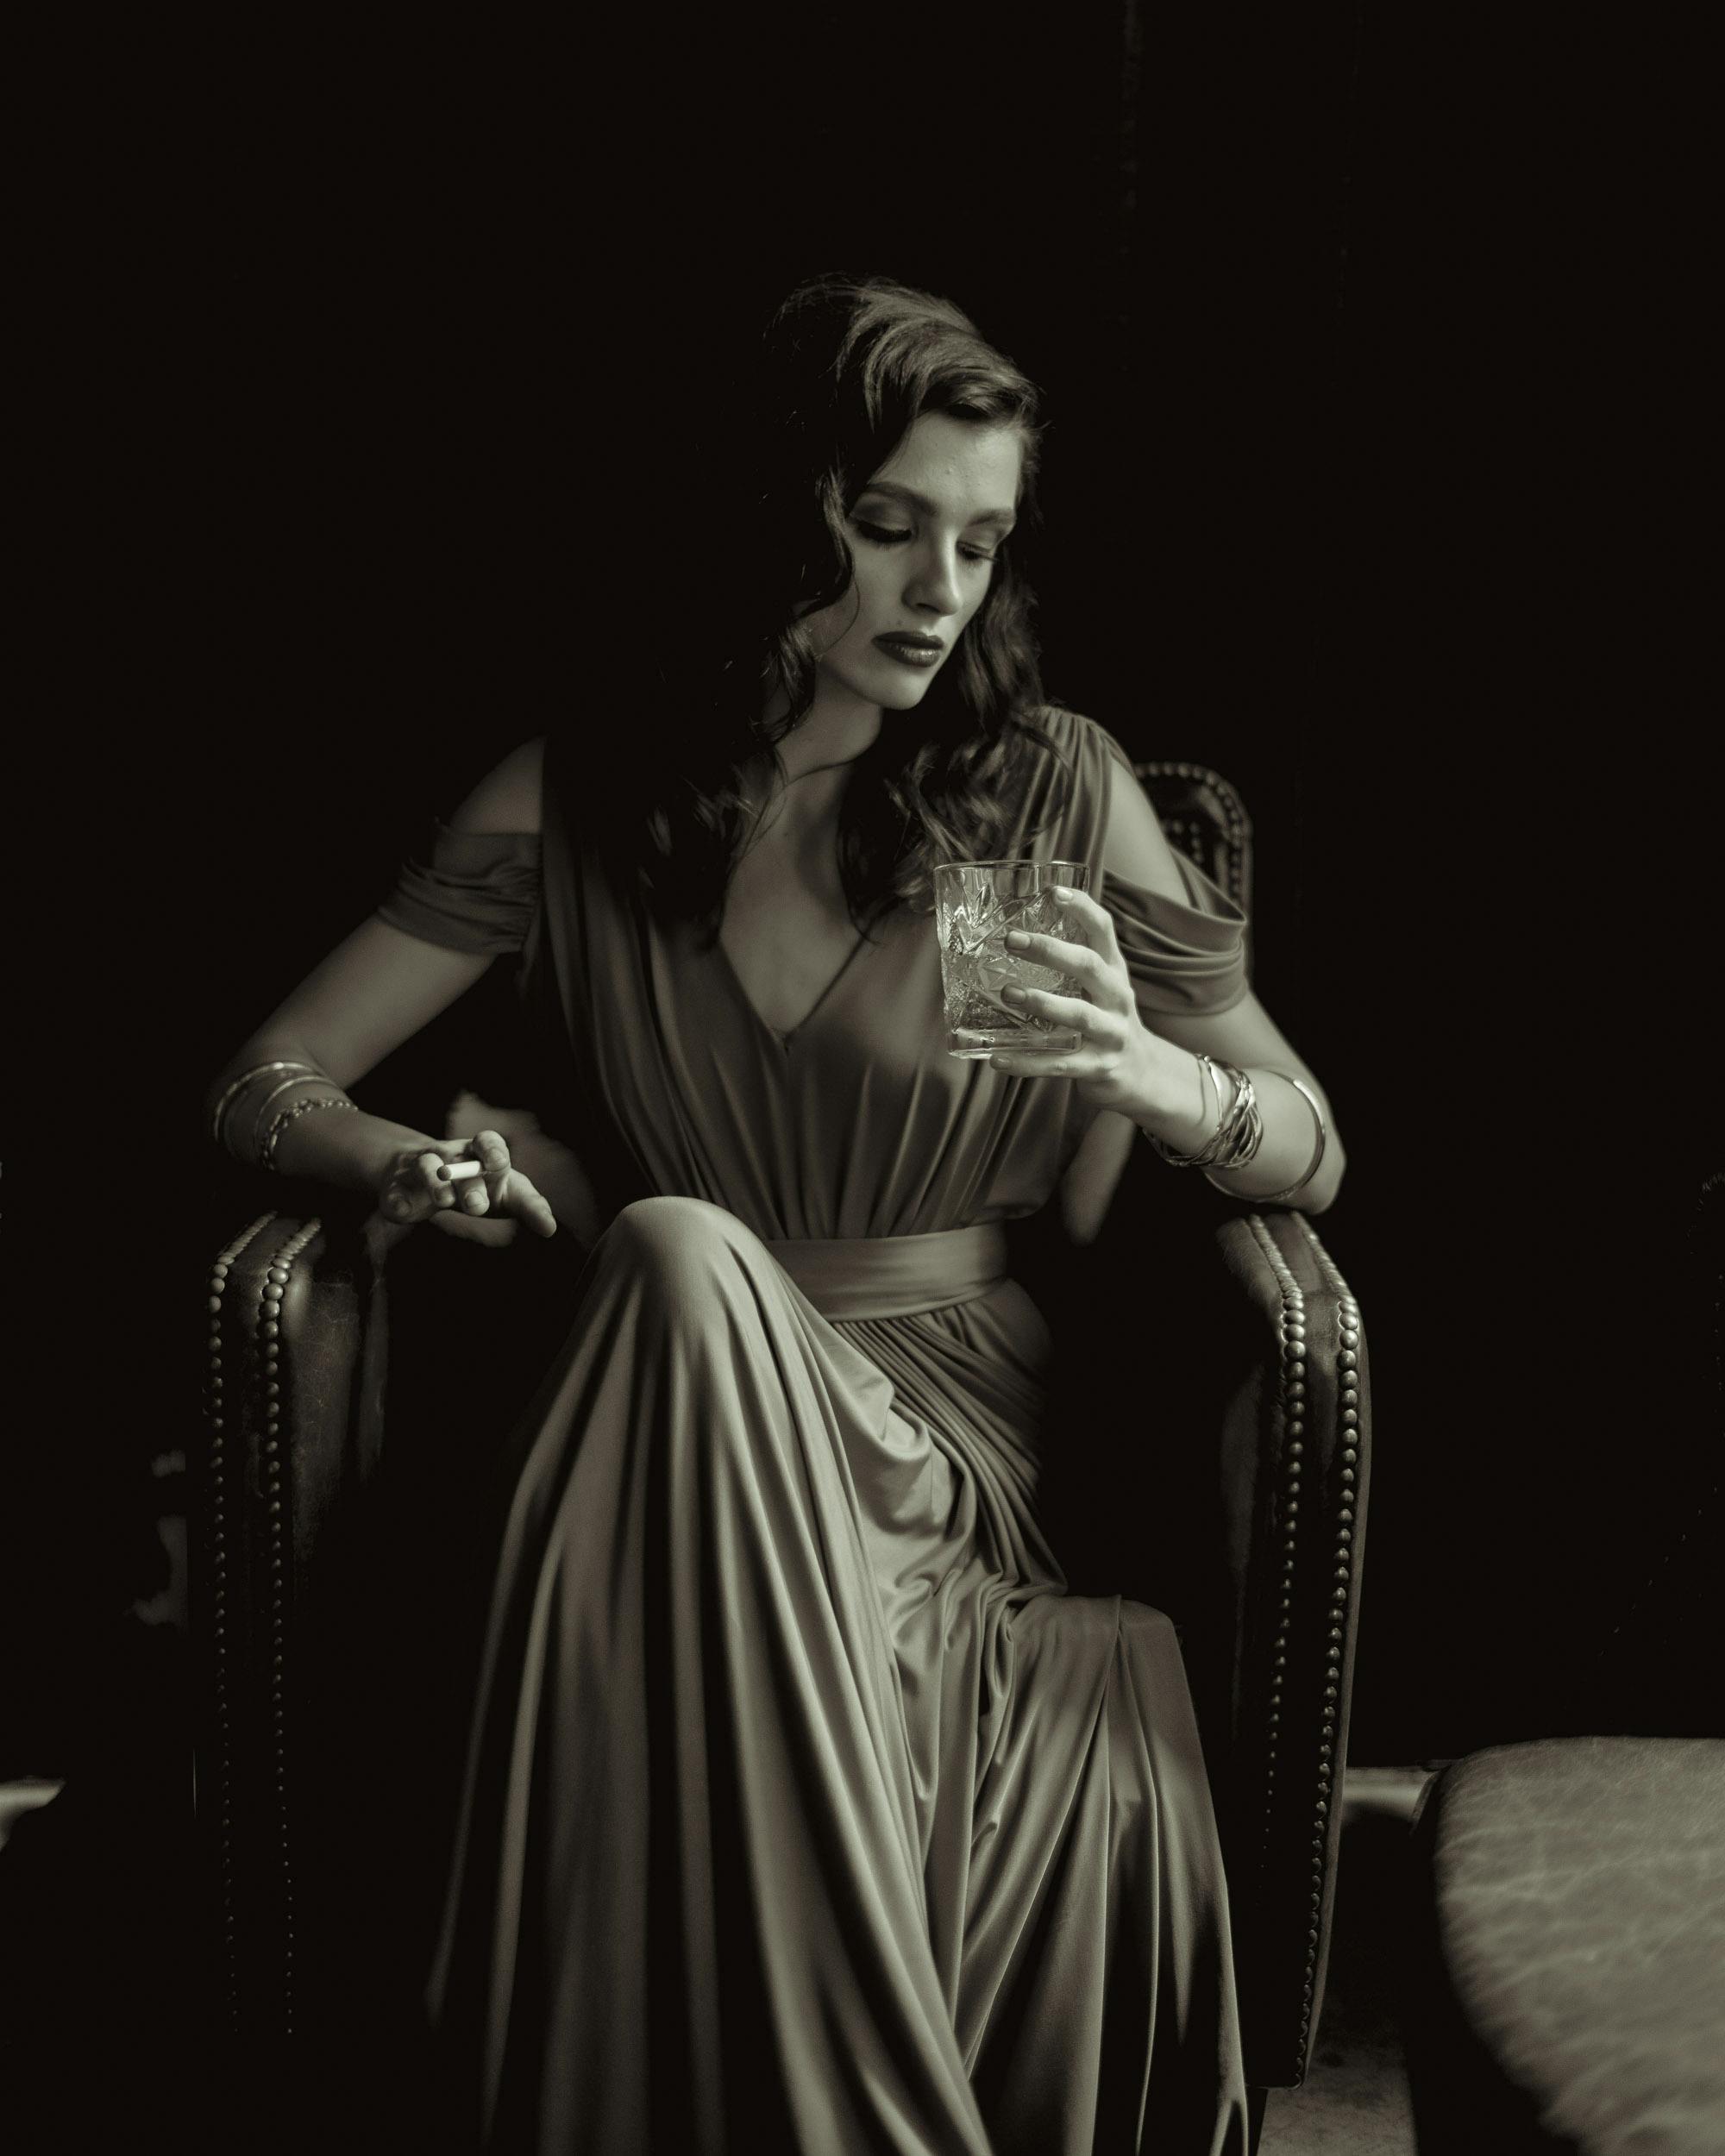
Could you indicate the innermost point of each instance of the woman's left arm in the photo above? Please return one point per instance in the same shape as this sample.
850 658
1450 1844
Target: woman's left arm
1150 1071
1250 1038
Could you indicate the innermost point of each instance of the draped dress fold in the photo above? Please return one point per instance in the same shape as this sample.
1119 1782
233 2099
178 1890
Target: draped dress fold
805 1808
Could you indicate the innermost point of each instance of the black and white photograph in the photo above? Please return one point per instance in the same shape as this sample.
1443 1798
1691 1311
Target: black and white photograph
863 1284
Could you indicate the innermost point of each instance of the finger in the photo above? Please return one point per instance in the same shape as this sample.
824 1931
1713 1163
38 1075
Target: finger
431 1172
1075 917
408 1198
1103 1027
474 1197
488 1148
1091 966
1089 914
527 1204
1029 1065
1089 922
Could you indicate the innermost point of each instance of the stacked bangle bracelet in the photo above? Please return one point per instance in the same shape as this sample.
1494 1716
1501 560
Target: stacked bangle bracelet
245 1078
261 1149
1238 1133
305 1076
1275 1197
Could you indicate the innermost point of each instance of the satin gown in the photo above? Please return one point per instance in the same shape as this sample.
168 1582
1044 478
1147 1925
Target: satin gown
805 1809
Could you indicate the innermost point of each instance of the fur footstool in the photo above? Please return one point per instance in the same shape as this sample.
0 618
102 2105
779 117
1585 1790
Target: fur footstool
1570 1982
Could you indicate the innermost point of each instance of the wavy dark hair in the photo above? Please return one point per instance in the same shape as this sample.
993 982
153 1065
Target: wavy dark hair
847 366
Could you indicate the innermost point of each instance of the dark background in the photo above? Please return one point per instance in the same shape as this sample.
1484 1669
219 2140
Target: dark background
1336 315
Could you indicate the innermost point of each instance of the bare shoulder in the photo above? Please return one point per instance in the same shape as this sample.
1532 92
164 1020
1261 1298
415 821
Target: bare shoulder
1135 847
508 798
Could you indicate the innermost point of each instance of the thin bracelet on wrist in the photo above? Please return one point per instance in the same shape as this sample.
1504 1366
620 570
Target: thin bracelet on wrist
1208 1150
307 1077
1238 1133
1277 1197
238 1086
267 1150
1206 1075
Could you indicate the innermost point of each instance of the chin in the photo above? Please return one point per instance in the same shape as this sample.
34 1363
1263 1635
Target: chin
895 688
878 681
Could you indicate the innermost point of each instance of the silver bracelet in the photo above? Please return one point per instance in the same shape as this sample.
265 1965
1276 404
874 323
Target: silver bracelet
266 1151
1275 1197
1246 1124
238 1085
309 1076
1207 1072
1237 1135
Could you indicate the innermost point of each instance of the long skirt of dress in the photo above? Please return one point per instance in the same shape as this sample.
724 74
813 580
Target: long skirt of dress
804 1810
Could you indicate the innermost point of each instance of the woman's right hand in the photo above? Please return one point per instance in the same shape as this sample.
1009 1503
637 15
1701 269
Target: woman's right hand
416 1187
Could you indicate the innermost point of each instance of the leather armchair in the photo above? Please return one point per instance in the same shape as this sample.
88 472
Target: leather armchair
360 1382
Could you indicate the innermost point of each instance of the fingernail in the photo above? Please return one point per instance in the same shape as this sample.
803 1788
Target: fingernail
1012 996
1016 939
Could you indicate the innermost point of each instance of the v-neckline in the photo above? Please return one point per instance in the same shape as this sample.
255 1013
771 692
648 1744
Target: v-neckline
786 1041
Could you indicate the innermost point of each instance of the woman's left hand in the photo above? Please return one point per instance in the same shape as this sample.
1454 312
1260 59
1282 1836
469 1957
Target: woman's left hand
1116 1063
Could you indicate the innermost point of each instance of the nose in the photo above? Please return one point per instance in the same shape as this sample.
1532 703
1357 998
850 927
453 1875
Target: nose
934 585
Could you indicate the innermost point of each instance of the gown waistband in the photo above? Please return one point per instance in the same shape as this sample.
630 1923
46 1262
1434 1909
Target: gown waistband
897 1276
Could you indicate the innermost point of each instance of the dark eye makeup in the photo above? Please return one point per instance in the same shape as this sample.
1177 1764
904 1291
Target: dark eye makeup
886 535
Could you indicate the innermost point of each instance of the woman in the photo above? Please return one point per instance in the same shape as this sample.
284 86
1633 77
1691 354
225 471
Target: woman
804 1809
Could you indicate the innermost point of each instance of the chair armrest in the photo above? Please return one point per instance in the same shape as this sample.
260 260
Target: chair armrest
296 1345
1294 1468
333 1575
1228 1357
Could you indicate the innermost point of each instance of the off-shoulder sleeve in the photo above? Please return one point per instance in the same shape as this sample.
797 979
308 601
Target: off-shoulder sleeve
1182 958
472 891
1185 957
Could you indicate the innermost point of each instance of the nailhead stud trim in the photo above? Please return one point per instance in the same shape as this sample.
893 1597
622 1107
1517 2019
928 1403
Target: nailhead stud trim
1291 1423
216 1415
1343 1583
268 1326
1233 815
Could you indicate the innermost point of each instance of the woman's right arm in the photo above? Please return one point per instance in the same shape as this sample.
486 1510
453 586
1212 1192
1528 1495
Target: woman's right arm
374 992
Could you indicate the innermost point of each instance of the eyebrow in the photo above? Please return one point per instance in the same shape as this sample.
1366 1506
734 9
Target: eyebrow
1004 516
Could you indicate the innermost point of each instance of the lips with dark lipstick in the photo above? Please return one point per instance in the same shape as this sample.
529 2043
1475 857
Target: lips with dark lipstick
910 649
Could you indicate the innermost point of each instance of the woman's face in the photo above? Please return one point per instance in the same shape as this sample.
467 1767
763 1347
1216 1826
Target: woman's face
923 532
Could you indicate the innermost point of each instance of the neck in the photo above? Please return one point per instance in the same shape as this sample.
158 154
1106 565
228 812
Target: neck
818 754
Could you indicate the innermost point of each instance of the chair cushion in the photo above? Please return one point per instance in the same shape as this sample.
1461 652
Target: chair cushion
1579 1886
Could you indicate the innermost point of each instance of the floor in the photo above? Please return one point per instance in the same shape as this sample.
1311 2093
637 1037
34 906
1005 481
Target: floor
1354 2101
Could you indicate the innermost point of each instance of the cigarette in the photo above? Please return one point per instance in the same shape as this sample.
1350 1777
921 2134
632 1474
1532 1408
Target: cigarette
458 1171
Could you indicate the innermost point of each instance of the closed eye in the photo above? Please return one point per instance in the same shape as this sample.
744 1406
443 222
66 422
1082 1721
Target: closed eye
885 536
